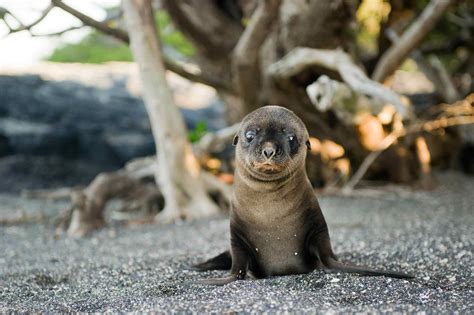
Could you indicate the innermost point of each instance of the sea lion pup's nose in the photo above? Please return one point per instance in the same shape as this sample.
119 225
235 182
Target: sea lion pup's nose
268 151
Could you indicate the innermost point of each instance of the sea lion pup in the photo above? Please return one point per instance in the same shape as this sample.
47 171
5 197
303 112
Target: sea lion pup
276 224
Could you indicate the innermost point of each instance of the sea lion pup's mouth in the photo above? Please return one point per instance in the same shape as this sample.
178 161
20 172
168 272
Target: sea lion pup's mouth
267 167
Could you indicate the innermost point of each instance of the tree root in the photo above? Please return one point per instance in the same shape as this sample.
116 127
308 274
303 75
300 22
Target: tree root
86 212
129 185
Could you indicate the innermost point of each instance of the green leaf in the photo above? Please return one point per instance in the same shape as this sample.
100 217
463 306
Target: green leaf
198 132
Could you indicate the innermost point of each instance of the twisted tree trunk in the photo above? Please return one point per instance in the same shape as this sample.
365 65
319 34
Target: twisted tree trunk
178 173
272 30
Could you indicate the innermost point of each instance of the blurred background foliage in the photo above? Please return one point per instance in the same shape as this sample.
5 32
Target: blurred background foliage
194 135
371 14
100 48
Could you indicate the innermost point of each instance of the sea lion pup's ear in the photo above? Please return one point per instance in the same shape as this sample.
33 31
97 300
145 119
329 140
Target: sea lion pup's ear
308 145
236 139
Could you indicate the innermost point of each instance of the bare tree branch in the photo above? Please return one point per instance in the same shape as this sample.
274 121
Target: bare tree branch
87 20
123 36
302 58
245 58
29 26
411 38
58 33
73 28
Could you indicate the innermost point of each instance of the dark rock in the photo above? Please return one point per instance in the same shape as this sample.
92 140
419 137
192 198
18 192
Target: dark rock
71 120
68 120
19 172
4 146
128 146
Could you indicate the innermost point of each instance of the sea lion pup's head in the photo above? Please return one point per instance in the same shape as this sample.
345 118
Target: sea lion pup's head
271 143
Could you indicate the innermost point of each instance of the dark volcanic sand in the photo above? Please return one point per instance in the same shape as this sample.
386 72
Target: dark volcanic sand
143 268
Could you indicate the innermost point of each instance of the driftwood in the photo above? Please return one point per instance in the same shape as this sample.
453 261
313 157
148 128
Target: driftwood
88 205
86 212
325 92
301 58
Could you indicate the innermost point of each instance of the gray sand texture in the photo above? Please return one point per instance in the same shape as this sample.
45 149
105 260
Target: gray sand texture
144 268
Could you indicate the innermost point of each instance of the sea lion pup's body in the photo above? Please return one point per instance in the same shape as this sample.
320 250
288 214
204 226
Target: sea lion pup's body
276 226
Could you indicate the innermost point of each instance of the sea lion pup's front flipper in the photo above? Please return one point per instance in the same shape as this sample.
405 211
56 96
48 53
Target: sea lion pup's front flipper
240 260
222 261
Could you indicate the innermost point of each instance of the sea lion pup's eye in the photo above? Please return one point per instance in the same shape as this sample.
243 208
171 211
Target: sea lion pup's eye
250 135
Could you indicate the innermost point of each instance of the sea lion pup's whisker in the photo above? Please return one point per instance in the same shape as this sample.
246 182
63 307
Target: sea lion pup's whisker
276 227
